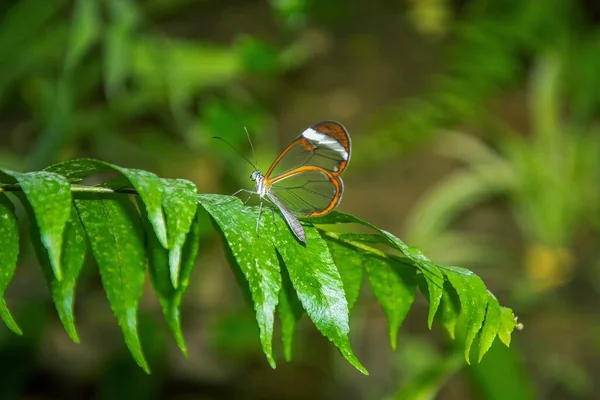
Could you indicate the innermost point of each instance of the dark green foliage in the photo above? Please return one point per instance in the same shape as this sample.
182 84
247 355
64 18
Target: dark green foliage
322 278
9 243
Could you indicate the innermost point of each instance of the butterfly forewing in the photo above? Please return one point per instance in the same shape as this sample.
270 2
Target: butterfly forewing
305 175
325 145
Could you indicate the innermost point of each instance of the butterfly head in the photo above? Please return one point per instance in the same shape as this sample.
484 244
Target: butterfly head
255 175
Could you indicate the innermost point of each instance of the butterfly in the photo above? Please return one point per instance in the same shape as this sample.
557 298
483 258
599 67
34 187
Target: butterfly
304 180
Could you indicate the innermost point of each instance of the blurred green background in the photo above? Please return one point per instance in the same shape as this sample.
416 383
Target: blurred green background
476 138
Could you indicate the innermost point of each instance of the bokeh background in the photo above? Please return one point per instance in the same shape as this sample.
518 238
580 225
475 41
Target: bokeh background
475 138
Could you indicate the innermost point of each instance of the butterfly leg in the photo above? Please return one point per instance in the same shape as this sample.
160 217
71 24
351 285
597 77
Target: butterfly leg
250 193
249 196
273 212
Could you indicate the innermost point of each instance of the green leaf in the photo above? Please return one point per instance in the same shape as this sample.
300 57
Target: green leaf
148 186
430 271
188 259
336 217
73 257
349 264
50 198
9 253
160 277
316 281
371 238
114 230
150 190
449 310
180 202
470 290
435 282
78 169
490 326
254 255
507 325
473 298
85 27
289 310
394 285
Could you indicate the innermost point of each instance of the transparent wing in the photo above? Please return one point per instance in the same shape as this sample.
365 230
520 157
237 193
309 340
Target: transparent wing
308 191
325 145
290 219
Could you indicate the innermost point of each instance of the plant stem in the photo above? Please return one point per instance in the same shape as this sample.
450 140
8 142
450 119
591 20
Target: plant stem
365 248
353 243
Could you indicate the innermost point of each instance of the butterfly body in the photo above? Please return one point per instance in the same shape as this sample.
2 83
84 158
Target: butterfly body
304 179
260 188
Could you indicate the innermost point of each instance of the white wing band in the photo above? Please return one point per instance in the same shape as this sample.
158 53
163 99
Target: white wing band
324 140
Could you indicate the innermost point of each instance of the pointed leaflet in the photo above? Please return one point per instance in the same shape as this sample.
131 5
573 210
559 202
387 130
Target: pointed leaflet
115 236
430 271
289 310
9 252
73 257
449 310
190 251
160 277
316 281
472 293
255 256
148 186
507 325
435 283
434 279
150 189
179 202
349 264
371 238
473 299
394 284
50 198
490 327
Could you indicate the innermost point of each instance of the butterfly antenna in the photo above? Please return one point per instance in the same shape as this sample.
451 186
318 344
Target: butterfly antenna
237 151
251 146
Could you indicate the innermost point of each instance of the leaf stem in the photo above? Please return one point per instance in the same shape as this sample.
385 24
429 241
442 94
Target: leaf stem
353 243
74 189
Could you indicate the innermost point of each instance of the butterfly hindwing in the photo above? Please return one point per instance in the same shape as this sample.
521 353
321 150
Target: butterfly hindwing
308 191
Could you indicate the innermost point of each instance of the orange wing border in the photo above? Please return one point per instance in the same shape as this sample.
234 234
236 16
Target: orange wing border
339 132
330 128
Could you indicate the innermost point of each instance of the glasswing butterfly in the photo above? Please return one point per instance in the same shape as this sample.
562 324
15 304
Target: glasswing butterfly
304 180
